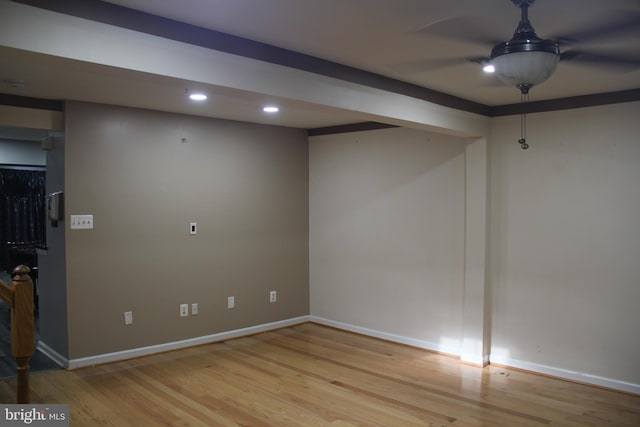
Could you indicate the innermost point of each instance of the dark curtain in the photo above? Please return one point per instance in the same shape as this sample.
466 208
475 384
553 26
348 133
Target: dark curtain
22 207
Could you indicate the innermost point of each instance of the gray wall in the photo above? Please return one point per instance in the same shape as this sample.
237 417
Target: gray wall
52 285
145 176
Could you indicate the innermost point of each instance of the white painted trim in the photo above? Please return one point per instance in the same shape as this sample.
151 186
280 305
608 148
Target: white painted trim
53 355
427 345
39 30
566 374
473 359
580 377
519 364
175 345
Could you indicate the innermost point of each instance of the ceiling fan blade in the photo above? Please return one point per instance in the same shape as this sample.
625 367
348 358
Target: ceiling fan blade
464 29
612 61
422 65
616 25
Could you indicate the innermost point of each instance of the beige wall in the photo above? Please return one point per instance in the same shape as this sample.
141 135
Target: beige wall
566 241
387 221
245 185
385 229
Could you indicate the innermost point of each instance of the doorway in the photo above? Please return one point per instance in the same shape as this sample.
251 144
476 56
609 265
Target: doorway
22 226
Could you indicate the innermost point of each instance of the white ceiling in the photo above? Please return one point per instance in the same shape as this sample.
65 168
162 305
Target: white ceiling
383 35
389 37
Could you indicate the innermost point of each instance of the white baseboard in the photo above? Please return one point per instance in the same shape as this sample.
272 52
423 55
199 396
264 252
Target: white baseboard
527 366
175 345
53 355
566 374
427 345
454 351
472 359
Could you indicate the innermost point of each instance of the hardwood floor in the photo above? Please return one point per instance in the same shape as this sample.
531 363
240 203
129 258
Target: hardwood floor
311 375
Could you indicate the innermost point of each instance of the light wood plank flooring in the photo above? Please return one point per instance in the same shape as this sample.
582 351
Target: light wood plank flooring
311 375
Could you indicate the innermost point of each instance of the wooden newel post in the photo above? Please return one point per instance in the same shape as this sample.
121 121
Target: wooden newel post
22 335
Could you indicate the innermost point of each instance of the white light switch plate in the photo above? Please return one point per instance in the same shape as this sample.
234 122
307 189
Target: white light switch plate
184 310
79 222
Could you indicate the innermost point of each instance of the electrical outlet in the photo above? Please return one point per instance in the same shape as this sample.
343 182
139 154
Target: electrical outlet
273 296
128 318
193 228
184 310
231 302
194 309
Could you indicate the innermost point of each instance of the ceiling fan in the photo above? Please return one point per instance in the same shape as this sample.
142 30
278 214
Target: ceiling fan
527 60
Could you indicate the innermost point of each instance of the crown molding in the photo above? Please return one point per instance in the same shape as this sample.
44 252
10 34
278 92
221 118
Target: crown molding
112 14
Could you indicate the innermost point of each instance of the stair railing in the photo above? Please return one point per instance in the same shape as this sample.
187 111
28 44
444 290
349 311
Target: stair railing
19 296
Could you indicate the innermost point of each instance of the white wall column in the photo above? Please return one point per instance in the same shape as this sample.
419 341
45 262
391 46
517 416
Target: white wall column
477 310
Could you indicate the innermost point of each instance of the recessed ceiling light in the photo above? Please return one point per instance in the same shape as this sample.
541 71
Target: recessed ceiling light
489 68
198 96
270 109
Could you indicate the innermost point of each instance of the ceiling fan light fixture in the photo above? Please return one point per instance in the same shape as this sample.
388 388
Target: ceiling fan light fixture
525 62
